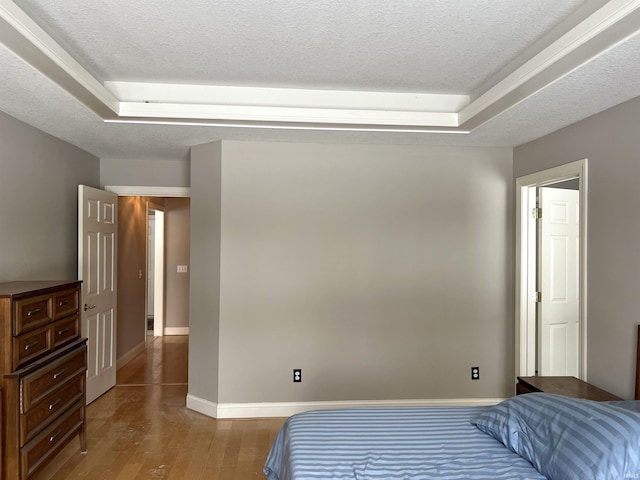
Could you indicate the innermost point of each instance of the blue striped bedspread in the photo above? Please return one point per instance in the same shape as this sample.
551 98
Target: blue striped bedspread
417 443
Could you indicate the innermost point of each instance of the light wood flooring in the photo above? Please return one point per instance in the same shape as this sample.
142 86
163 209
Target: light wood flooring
141 429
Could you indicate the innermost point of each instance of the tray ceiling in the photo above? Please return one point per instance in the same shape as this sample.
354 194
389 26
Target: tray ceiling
149 79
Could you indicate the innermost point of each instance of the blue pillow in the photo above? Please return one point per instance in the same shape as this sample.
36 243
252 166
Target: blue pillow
627 404
566 438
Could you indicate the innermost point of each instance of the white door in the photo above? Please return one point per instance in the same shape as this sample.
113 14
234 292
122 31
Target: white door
151 261
97 241
558 315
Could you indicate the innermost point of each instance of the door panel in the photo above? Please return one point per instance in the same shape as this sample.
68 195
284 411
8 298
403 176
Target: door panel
558 251
558 351
558 315
97 235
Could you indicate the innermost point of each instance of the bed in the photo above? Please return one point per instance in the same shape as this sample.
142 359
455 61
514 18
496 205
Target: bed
535 436
389 443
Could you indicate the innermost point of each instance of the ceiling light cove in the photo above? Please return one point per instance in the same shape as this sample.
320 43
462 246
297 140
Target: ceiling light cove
256 104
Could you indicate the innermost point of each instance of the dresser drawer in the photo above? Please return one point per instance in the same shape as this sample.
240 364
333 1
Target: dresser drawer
50 408
31 345
38 385
32 313
65 330
65 303
38 451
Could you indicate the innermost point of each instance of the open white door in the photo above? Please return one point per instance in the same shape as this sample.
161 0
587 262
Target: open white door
558 316
158 259
97 242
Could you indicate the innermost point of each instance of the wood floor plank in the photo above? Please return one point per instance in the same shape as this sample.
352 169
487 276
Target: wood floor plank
141 429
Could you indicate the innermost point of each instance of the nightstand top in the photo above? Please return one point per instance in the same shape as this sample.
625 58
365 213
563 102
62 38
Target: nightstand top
568 386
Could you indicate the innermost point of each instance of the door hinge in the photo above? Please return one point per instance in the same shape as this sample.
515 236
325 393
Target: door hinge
537 297
536 212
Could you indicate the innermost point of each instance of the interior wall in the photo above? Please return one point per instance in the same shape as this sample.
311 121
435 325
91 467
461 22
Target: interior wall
383 272
609 140
177 237
39 178
204 305
132 273
143 172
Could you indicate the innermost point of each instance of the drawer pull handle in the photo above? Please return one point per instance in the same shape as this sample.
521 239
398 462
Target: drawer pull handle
88 307
31 345
59 374
53 437
55 404
63 331
63 303
33 312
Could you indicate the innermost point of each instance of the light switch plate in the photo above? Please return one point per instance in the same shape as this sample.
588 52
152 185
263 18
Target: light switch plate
182 269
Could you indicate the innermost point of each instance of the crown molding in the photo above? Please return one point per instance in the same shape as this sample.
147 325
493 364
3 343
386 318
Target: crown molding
607 27
288 125
173 104
29 41
259 104
293 97
254 113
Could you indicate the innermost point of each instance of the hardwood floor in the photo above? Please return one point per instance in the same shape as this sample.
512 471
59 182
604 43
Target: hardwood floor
141 429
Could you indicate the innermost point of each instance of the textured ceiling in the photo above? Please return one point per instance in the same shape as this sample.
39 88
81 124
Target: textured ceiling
378 45
406 46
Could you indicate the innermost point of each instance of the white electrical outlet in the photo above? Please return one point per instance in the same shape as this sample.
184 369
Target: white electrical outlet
182 269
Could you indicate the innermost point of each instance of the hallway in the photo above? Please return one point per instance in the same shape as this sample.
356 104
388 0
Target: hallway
141 429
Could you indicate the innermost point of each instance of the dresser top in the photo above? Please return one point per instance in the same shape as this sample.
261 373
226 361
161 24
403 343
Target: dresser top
34 287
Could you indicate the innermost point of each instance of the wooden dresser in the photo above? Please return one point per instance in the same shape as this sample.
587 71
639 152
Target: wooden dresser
44 363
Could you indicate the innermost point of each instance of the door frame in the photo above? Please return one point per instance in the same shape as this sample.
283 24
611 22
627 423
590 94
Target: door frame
525 322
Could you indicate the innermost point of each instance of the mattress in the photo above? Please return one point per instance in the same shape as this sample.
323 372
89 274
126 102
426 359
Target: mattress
417 443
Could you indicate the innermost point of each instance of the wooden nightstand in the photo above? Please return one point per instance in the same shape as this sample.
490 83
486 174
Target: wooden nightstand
567 386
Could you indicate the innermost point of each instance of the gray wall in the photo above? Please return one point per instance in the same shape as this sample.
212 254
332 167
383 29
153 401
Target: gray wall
142 172
39 177
204 281
611 142
132 249
384 272
177 236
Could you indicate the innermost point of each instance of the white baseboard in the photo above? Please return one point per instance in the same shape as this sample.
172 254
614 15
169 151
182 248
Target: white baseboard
203 406
286 409
130 355
176 330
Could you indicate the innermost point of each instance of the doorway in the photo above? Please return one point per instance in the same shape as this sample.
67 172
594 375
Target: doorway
551 275
133 258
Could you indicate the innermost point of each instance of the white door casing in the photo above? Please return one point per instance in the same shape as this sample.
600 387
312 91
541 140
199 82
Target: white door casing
558 310
97 261
525 305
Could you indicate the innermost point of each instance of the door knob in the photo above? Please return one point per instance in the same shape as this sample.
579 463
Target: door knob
88 307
